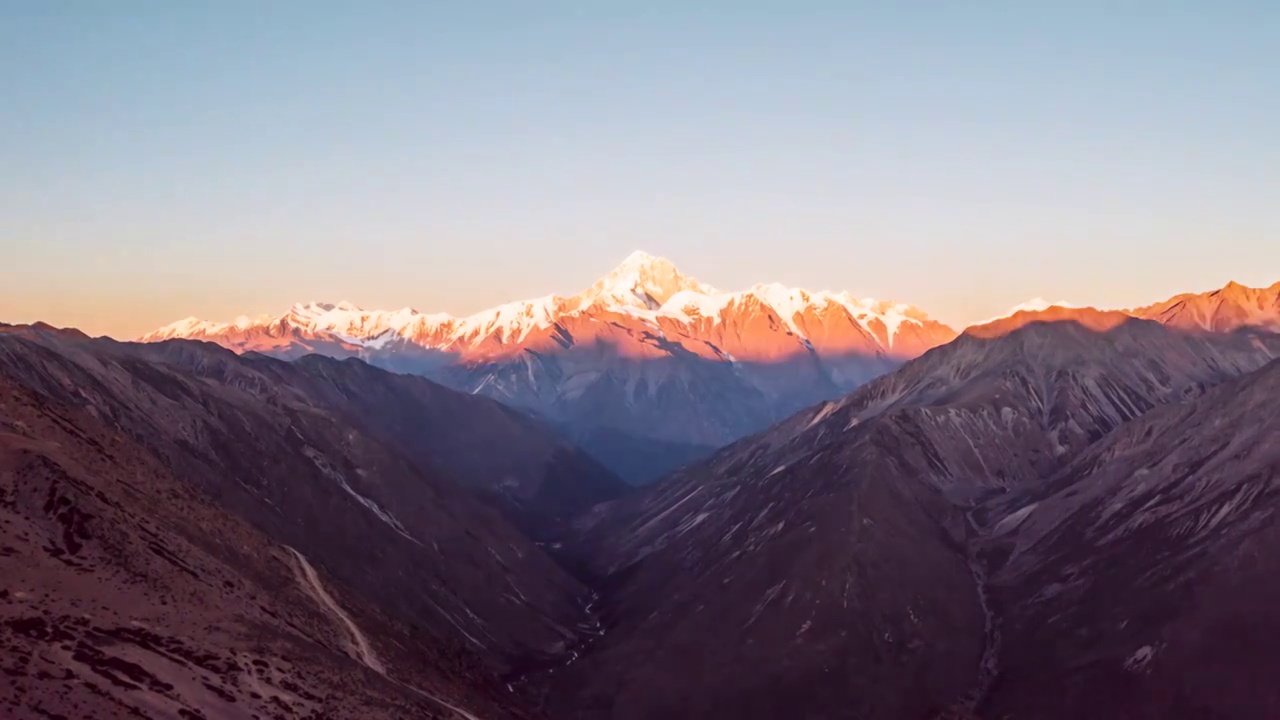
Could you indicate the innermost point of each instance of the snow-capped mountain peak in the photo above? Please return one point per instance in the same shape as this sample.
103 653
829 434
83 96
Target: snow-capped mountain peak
639 258
189 327
641 281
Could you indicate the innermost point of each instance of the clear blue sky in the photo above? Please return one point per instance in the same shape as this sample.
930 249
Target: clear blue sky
163 159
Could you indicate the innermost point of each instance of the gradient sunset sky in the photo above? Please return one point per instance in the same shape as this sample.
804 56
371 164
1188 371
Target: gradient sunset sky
165 159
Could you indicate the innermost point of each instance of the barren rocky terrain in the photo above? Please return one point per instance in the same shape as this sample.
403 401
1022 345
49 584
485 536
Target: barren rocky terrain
187 532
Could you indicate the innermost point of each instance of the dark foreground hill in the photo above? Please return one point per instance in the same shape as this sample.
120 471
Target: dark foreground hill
189 533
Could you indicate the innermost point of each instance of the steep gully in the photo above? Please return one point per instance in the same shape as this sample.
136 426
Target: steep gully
594 630
989 664
589 632
310 581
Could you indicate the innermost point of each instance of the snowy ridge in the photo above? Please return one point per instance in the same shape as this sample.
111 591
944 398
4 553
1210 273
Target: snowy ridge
644 287
191 327
1033 305
790 303
688 304
786 302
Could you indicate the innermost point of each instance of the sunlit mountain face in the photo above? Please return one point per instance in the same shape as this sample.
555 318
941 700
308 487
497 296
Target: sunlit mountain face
647 368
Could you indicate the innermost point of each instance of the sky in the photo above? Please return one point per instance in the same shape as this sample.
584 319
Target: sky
160 160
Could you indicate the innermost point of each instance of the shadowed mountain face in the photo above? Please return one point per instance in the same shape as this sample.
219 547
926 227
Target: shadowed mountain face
184 529
829 566
647 368
523 466
1141 580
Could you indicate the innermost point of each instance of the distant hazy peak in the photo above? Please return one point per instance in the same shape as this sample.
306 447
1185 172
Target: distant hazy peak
1091 318
1035 304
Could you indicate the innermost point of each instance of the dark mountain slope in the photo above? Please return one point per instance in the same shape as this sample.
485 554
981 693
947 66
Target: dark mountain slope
167 488
774 584
831 551
129 593
1141 581
536 477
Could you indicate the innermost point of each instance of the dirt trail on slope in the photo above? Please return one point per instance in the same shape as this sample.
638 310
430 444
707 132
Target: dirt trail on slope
310 581
359 643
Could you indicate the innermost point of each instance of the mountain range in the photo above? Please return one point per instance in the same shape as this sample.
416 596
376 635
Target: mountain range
648 369
1064 511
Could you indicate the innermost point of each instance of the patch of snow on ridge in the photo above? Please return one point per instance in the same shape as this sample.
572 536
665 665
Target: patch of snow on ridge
512 321
648 317
786 302
1037 304
891 314
187 327
688 304
376 342
244 322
